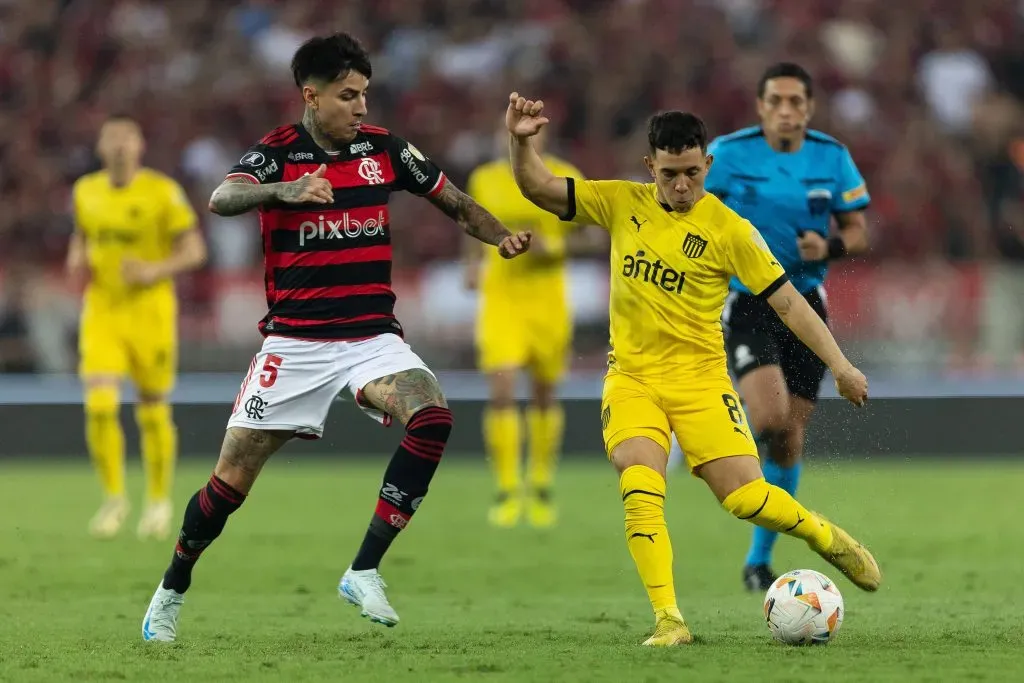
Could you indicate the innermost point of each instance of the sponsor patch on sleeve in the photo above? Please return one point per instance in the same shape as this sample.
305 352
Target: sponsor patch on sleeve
856 193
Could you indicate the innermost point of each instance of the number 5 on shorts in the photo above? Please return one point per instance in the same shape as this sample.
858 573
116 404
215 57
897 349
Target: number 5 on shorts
733 406
269 373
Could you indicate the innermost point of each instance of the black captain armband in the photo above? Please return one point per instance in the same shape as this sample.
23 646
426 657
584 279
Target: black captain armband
836 248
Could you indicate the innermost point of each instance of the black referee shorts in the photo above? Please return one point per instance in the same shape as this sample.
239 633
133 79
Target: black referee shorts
755 336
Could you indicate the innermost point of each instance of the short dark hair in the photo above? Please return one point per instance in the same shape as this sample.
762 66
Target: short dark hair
674 131
786 70
121 116
330 58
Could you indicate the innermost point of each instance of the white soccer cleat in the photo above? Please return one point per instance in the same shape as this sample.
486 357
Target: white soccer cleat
161 620
156 520
109 519
365 589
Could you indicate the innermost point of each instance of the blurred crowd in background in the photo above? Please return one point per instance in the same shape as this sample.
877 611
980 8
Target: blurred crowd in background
926 93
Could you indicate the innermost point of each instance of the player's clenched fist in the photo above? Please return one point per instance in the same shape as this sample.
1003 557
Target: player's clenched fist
524 117
852 385
515 244
311 188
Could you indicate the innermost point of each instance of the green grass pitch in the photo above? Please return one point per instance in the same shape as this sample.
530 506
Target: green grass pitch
518 605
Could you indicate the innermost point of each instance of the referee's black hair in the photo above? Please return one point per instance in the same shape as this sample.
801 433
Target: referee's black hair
328 58
121 116
675 131
786 70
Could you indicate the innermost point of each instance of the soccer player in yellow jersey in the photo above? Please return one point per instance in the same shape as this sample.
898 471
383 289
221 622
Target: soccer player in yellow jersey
674 249
134 231
524 323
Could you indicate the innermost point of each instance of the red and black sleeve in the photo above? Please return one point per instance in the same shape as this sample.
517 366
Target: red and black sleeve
414 171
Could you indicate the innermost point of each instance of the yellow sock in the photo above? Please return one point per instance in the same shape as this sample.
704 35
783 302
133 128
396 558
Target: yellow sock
772 508
643 496
502 436
104 437
545 442
159 448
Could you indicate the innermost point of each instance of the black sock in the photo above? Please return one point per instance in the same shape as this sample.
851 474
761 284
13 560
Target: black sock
205 516
405 482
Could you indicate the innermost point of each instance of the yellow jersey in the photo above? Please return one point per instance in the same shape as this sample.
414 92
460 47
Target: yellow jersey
670 275
140 220
493 186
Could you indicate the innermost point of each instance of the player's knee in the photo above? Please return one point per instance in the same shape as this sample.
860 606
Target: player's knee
642 451
788 447
725 476
152 411
769 417
543 394
243 454
149 397
432 423
102 400
745 501
503 389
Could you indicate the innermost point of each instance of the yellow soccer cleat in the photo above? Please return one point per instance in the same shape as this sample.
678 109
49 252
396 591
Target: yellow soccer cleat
851 558
506 512
541 512
669 630
107 521
156 521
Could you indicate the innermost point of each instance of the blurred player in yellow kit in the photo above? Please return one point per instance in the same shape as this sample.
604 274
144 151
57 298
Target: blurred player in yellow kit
524 323
134 231
674 249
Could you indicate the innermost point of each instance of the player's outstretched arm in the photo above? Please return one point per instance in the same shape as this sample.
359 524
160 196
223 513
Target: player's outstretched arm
76 264
798 316
478 222
524 119
238 195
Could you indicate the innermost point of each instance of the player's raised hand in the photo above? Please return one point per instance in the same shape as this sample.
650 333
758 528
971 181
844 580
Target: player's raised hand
812 246
524 117
312 188
852 385
515 244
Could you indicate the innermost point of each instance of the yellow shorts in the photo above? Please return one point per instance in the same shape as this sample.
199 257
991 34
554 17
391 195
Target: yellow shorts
705 415
524 334
135 340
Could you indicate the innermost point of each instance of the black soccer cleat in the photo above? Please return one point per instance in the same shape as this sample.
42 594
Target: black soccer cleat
758 577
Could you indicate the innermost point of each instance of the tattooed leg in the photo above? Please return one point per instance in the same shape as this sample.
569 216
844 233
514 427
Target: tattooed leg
413 398
402 394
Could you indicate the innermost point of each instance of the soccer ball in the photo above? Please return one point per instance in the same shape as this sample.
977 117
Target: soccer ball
804 607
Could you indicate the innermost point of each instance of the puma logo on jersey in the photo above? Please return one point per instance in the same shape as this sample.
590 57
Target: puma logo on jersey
636 222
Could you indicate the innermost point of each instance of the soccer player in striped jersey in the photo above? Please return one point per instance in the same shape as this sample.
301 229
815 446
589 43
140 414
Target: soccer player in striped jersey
321 188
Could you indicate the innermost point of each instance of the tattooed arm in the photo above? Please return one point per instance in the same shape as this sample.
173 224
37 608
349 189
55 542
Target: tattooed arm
478 223
237 195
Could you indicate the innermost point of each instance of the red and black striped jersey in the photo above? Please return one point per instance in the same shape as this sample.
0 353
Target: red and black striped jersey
328 266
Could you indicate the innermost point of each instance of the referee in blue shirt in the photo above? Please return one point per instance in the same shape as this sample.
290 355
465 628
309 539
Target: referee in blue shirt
789 181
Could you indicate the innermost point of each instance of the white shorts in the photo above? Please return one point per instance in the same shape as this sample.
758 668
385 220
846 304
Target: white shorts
292 382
